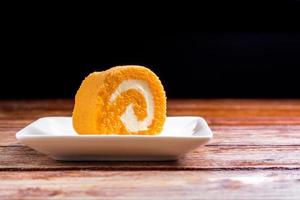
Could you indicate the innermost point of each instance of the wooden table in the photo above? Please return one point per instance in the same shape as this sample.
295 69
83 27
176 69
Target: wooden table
255 154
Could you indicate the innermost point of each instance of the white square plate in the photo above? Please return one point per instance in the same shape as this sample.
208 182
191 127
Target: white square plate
55 137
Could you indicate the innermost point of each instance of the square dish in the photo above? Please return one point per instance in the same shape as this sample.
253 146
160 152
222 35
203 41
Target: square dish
55 137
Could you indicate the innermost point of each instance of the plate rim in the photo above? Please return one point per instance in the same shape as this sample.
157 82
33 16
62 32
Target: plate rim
20 135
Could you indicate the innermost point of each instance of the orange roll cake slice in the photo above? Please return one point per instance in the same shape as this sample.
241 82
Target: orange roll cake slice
121 100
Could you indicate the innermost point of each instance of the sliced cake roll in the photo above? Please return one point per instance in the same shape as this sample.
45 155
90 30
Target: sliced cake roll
121 100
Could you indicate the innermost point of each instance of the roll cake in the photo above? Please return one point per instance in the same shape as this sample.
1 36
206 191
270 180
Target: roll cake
120 100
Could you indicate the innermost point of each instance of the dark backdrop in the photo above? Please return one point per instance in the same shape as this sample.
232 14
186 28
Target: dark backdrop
239 64
190 64
245 50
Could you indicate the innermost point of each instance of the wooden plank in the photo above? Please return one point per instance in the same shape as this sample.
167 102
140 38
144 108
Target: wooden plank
254 155
236 108
8 130
223 135
217 185
232 121
239 112
10 124
256 135
33 109
210 157
217 112
8 138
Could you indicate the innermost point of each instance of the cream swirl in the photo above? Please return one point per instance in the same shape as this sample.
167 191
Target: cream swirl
129 118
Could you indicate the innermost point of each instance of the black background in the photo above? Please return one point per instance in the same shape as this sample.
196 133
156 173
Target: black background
49 60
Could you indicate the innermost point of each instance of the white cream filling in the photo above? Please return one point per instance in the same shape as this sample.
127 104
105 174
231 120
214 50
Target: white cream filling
129 118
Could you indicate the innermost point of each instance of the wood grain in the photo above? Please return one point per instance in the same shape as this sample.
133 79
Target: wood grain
240 112
217 185
217 112
254 155
210 157
259 135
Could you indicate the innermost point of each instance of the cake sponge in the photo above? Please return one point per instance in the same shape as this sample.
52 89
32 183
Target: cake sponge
121 100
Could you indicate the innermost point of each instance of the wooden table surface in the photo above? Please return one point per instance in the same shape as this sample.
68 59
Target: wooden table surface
255 154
